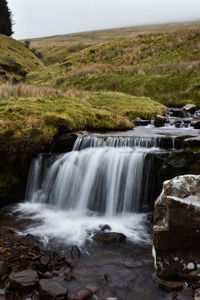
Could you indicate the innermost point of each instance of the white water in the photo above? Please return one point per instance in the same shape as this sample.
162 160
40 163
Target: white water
70 196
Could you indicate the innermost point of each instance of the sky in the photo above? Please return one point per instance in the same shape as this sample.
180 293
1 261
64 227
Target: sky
38 18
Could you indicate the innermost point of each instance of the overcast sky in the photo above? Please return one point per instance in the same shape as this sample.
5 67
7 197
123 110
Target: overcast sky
36 18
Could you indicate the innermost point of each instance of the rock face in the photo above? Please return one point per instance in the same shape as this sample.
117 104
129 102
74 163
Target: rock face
177 228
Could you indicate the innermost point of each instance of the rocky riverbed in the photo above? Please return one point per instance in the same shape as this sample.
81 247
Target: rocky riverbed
117 270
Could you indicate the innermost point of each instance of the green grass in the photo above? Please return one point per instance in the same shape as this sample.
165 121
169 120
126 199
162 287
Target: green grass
42 117
164 66
16 59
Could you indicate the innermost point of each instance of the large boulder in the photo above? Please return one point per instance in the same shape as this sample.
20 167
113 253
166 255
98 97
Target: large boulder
176 245
159 121
109 237
191 108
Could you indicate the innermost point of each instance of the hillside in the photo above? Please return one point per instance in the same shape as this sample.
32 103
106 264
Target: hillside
16 60
164 66
56 48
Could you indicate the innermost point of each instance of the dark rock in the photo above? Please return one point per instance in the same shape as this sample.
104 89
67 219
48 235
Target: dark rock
191 108
50 289
140 122
196 124
179 113
4 269
159 121
105 227
109 237
75 252
31 239
24 279
85 294
44 260
64 143
170 286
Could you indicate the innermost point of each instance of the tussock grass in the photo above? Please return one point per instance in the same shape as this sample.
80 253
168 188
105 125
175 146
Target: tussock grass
162 66
21 90
40 117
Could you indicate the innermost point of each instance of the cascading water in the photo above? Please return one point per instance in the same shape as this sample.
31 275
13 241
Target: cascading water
93 185
106 180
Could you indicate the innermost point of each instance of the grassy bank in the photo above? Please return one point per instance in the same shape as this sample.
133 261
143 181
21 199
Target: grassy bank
40 112
16 60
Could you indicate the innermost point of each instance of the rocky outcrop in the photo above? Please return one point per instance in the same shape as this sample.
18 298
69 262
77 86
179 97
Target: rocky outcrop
15 158
176 244
191 108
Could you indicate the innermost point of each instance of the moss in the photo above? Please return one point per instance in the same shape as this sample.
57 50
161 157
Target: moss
7 183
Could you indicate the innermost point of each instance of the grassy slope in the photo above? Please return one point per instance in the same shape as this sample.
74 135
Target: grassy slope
56 48
163 66
16 58
37 115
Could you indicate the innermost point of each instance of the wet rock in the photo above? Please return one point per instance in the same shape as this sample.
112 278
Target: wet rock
31 239
44 260
75 252
50 289
196 124
191 108
159 121
177 239
105 227
170 286
197 294
64 143
84 294
24 279
4 269
179 113
109 237
140 122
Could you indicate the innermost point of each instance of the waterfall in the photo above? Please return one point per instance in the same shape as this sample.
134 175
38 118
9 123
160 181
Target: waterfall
105 180
91 141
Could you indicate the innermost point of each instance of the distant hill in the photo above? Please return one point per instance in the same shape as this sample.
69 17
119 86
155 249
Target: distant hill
16 59
161 62
55 48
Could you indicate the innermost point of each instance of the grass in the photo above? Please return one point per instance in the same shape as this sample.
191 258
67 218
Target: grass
16 59
57 48
33 115
162 66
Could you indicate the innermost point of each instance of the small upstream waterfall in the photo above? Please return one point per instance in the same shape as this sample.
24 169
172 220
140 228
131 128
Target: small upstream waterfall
105 180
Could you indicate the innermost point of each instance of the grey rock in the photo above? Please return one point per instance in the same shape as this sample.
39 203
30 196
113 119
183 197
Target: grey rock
24 279
52 289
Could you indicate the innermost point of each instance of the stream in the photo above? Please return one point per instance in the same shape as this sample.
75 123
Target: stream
101 186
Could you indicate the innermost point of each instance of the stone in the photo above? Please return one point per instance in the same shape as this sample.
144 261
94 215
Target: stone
4 269
24 279
177 239
159 121
44 260
50 289
179 113
191 108
140 122
109 237
170 286
197 294
84 294
105 227
196 125
75 252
